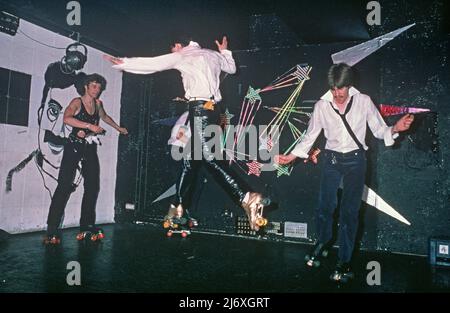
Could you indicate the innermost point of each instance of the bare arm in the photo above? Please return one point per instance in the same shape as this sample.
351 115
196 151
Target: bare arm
108 120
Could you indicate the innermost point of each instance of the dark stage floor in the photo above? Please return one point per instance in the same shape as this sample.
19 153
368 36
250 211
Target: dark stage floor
139 258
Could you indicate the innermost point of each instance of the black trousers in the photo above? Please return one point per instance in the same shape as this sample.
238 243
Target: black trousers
90 169
199 119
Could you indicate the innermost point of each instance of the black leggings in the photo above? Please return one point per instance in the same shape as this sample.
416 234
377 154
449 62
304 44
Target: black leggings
199 119
90 169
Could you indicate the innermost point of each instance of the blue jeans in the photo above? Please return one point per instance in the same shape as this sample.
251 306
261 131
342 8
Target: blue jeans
350 168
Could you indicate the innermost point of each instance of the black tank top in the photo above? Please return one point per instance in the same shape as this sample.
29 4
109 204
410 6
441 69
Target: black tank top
84 116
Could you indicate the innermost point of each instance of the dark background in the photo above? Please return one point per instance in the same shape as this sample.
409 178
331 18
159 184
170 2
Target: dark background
267 38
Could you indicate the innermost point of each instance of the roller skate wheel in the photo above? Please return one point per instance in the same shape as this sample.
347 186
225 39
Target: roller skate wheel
80 236
94 237
169 233
166 224
261 222
52 241
100 236
338 277
175 225
184 234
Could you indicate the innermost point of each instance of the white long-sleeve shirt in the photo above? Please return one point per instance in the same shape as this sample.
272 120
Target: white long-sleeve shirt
200 69
362 112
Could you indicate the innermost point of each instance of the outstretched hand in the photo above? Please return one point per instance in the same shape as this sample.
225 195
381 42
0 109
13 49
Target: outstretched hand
112 59
403 124
284 159
223 45
287 159
122 131
312 156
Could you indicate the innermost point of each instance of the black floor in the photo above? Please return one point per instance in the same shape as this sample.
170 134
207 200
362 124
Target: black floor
139 258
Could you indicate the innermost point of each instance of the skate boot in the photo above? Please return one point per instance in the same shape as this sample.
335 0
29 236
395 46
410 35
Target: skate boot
319 251
92 233
167 223
52 239
253 205
342 273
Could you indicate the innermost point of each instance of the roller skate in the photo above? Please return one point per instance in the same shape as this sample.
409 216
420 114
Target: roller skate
342 273
92 233
319 251
253 206
52 239
176 222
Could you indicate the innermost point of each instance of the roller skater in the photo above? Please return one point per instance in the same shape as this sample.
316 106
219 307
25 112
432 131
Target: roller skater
343 113
200 69
83 114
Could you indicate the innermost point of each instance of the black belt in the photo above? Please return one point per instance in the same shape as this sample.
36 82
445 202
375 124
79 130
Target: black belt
197 102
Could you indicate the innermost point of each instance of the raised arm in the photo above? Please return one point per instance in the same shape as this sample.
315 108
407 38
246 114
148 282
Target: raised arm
227 63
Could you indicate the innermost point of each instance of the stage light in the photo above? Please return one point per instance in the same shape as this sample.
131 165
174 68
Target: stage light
8 23
74 59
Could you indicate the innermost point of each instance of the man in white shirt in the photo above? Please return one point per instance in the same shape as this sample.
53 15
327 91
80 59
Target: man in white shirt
200 71
343 113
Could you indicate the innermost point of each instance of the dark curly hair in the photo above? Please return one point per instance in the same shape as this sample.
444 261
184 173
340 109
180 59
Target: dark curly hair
95 78
84 80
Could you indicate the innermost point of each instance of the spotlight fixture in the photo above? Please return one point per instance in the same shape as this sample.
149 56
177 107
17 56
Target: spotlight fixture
74 59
